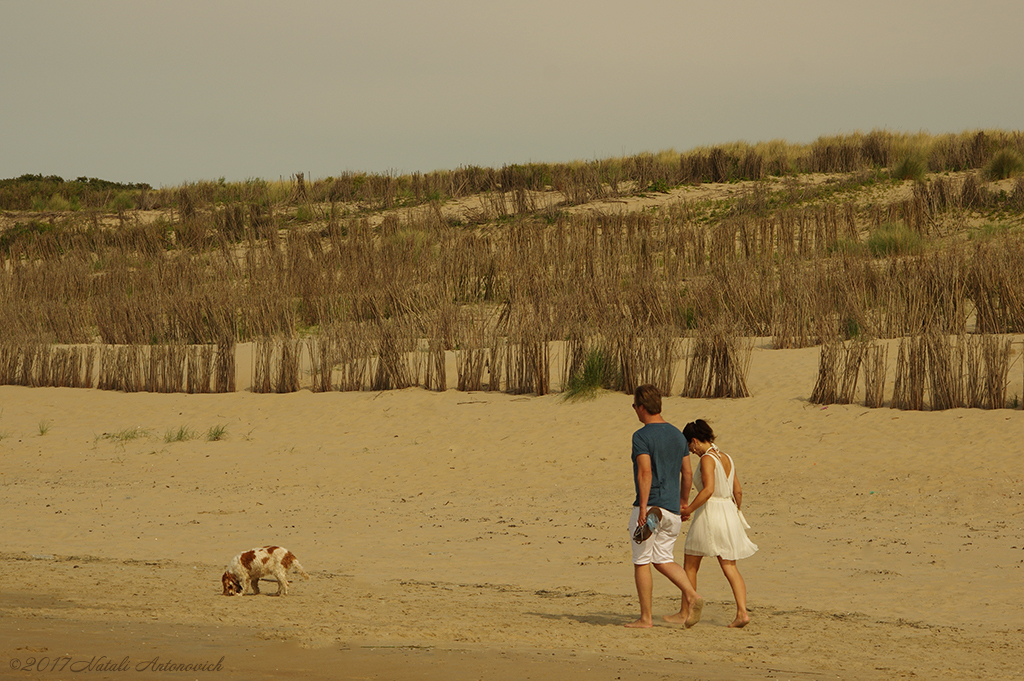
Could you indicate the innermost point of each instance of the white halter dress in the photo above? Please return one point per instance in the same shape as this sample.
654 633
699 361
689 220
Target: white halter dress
717 527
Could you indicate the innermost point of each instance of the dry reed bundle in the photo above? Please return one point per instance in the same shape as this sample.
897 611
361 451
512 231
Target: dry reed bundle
826 387
526 329
262 357
995 286
971 193
30 364
911 374
323 355
746 290
10 358
437 372
473 355
697 367
28 360
67 367
526 365
902 299
579 184
122 368
393 346
290 357
224 366
339 358
658 351
626 348
792 321
853 356
787 234
996 353
875 366
945 279
835 155
945 371
718 363
166 369
470 364
354 356
974 397
198 369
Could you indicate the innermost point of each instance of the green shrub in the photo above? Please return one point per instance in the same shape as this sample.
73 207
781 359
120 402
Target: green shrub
1005 163
989 230
596 372
912 167
123 201
894 239
852 328
24 233
304 213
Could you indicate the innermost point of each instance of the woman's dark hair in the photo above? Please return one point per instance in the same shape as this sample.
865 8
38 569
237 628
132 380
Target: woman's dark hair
699 430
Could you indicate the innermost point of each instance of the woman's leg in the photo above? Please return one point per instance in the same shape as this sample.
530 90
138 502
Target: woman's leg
739 591
691 564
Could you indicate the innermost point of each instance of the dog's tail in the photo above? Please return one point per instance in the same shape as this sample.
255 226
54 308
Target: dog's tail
296 564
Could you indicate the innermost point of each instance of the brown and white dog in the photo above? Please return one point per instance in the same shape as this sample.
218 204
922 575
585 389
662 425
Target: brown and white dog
248 567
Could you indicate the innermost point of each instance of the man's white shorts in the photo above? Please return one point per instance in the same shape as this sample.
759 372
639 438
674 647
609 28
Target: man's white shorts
659 546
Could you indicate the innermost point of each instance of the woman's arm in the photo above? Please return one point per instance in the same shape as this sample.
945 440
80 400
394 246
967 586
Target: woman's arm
707 474
737 492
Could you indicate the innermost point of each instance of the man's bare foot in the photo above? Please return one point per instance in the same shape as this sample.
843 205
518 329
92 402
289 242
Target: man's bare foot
678 618
698 608
740 621
639 624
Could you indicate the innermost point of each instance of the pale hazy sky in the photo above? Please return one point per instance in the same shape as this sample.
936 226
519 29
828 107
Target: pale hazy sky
175 91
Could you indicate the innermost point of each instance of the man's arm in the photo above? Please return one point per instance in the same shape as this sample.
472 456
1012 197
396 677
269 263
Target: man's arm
644 476
684 490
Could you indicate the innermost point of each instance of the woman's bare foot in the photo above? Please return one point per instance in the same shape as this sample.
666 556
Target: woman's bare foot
639 624
740 621
698 608
678 618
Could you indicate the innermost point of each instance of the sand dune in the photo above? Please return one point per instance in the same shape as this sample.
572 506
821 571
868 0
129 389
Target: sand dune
484 534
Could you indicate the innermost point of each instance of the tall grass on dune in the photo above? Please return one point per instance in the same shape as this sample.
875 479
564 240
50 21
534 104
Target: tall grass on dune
375 282
1003 164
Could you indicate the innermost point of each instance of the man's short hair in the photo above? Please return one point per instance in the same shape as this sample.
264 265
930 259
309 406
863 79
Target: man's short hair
648 397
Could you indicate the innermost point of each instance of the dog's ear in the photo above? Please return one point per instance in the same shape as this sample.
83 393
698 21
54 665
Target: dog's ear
229 583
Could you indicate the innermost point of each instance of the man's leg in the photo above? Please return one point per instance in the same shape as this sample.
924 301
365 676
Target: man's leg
692 604
645 590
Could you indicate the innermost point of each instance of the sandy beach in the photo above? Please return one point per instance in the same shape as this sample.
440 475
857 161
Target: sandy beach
483 535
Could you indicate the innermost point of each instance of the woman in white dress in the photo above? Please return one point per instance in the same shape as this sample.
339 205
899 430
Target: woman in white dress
717 527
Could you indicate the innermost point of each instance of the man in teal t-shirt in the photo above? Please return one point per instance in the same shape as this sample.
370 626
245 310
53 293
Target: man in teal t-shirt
659 461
